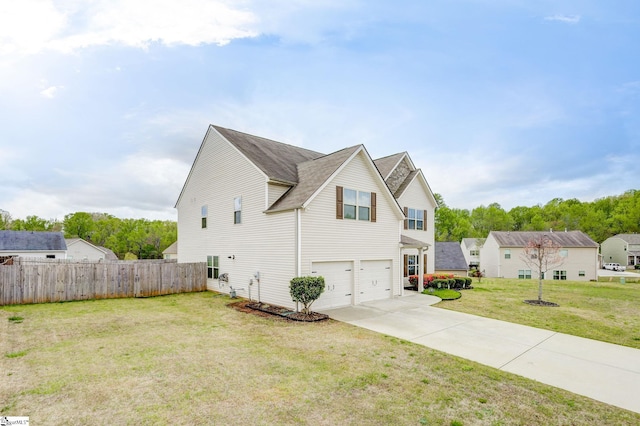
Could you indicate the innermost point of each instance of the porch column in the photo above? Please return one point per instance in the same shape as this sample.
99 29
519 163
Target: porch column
420 270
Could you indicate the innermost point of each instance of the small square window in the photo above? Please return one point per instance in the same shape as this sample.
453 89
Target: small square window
507 254
559 275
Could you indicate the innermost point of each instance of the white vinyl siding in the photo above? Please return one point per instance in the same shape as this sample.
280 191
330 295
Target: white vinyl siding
580 264
274 192
263 243
326 238
416 197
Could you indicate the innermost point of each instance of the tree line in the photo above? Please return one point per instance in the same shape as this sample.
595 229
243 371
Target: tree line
146 239
127 238
600 219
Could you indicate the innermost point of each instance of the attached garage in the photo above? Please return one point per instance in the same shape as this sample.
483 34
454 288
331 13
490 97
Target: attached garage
338 278
376 280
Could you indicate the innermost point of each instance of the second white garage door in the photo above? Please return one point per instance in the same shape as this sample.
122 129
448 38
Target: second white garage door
375 280
338 279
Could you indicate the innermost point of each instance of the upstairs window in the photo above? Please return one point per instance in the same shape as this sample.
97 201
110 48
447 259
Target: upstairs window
356 205
203 214
474 252
237 210
415 219
564 253
507 253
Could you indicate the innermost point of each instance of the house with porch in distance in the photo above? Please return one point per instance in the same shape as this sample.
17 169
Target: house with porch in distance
261 212
502 254
623 249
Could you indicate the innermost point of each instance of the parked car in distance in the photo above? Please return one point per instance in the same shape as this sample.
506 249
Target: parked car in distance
613 267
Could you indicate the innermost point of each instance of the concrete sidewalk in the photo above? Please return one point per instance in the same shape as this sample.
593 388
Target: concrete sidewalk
602 371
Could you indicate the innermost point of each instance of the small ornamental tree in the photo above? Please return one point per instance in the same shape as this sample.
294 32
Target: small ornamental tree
542 254
306 290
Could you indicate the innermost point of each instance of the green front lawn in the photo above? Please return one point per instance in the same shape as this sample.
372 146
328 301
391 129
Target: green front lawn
190 359
606 311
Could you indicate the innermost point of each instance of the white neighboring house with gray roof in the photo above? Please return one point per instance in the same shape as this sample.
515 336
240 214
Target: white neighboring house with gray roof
471 251
261 212
171 252
502 251
79 249
623 249
32 244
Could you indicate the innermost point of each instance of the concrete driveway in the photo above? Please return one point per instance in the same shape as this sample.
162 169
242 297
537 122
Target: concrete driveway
602 371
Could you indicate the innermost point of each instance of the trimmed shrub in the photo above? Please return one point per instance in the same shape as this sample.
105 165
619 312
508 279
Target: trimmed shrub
306 290
459 282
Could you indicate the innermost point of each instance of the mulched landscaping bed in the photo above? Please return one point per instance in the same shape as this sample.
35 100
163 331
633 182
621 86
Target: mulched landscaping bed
537 302
267 310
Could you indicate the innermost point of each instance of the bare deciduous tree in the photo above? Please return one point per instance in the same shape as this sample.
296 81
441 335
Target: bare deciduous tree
542 254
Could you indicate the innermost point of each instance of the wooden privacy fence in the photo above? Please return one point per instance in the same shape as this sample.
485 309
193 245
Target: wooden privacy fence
43 281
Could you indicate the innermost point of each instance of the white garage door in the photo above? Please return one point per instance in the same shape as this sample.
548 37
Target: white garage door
375 280
338 279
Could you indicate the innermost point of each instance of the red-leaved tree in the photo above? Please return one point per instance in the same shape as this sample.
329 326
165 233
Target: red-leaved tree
542 254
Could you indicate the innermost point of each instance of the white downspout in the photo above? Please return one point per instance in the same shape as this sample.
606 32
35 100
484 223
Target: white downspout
298 243
420 270
298 220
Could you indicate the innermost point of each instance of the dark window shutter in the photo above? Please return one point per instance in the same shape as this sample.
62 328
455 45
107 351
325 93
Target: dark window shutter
424 263
406 218
339 208
424 220
406 265
373 207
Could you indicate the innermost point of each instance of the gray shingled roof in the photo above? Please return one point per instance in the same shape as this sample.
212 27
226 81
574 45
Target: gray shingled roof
108 253
31 240
386 164
276 159
311 175
405 184
449 257
412 242
629 238
564 239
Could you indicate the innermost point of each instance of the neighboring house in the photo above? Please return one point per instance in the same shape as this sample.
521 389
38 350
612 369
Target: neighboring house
171 252
449 259
79 249
50 245
502 255
622 248
471 251
261 212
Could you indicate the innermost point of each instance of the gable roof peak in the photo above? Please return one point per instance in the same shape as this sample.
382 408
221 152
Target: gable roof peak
275 159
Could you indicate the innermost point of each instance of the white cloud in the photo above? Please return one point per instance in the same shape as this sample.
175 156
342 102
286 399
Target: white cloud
568 19
30 26
50 92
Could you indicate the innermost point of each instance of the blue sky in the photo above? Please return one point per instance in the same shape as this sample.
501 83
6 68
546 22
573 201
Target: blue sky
103 104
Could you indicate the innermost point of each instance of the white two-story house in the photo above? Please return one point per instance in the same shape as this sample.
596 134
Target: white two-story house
261 212
502 255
